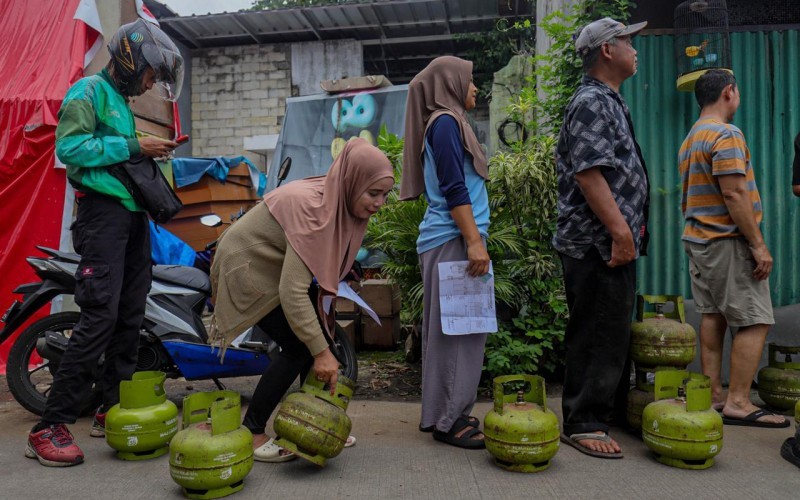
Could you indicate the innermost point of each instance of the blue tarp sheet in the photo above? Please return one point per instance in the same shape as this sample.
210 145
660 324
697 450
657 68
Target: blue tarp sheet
190 170
166 248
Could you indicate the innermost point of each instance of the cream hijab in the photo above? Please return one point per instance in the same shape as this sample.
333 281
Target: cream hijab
439 89
316 213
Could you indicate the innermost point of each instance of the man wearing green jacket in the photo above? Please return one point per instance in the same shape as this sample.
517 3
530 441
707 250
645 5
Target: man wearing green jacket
96 130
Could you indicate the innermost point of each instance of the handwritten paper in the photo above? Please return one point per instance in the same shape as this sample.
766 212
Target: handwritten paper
466 303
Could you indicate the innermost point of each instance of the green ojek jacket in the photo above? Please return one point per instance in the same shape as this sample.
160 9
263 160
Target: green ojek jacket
95 130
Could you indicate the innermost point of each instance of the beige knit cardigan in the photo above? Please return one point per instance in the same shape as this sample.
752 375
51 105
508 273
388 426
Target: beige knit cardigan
254 271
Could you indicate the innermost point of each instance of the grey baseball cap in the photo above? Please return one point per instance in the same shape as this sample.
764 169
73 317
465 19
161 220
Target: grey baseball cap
598 32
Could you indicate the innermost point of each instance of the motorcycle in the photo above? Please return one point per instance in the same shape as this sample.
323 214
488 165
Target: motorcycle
173 337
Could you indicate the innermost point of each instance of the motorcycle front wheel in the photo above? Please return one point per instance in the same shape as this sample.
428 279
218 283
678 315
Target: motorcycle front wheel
30 376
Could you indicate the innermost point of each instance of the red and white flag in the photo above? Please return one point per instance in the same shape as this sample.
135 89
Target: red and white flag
88 33
145 13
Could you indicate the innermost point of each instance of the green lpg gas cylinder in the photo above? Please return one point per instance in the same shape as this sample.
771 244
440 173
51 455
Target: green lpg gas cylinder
638 399
213 453
797 415
659 338
144 421
312 422
680 426
779 382
521 433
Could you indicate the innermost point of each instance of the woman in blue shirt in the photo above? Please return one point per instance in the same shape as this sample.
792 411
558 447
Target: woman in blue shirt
443 160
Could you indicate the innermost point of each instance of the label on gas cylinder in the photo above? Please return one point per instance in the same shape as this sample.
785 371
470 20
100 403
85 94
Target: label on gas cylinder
131 427
133 440
656 441
224 457
183 473
169 431
226 473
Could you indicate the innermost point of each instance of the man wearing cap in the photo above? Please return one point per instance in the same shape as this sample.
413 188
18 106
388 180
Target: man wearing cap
601 230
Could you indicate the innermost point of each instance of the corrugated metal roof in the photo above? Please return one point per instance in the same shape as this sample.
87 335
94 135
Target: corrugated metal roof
391 31
765 64
373 22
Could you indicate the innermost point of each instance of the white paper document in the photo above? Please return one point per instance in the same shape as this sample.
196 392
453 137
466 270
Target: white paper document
466 303
346 292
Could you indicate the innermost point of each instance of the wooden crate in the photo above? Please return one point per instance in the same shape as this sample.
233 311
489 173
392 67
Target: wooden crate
195 234
382 296
209 196
350 329
236 188
224 209
152 108
384 336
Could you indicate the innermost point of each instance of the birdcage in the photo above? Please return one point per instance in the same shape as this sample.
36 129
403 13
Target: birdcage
702 40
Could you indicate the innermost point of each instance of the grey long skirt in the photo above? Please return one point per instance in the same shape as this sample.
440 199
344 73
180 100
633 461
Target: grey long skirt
451 364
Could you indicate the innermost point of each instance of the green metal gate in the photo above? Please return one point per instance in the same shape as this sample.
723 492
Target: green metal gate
766 67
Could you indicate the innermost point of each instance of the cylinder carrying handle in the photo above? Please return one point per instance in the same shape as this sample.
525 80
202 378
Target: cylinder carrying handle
341 395
534 393
677 313
775 351
142 390
671 383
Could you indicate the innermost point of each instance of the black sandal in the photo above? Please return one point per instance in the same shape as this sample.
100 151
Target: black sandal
473 421
465 440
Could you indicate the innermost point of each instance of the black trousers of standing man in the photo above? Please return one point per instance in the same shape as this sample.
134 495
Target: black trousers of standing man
112 282
600 301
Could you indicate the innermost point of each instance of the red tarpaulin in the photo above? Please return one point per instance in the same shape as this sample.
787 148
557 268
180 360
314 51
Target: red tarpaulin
44 50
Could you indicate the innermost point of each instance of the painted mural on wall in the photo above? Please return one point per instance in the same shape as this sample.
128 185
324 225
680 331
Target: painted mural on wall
316 128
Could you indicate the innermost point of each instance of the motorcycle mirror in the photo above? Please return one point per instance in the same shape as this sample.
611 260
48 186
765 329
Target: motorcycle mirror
211 220
283 171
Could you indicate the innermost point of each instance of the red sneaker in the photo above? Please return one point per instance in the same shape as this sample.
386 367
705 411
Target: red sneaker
54 446
98 425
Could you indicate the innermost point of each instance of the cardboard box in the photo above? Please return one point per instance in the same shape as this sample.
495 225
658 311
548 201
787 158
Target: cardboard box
384 336
382 296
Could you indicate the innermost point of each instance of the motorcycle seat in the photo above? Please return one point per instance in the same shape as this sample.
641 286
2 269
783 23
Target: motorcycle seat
189 277
63 256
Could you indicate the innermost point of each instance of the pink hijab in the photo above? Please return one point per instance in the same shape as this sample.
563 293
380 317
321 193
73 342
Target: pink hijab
439 89
316 213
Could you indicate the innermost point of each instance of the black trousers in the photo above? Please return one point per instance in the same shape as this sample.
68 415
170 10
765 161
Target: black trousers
112 282
293 359
600 301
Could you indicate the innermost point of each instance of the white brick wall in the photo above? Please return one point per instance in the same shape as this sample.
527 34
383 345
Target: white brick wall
237 92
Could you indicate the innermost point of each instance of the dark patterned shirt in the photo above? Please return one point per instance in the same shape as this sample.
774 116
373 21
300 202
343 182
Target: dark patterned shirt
597 132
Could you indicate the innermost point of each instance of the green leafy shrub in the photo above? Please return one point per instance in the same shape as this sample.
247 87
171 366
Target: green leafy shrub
558 71
527 272
394 231
523 198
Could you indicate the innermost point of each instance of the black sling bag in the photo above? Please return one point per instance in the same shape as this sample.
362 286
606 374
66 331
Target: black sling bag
143 179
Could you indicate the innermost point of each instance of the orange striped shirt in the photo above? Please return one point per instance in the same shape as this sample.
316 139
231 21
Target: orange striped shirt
713 148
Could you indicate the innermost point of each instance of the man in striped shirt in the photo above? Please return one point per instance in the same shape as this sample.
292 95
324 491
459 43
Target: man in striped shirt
729 262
